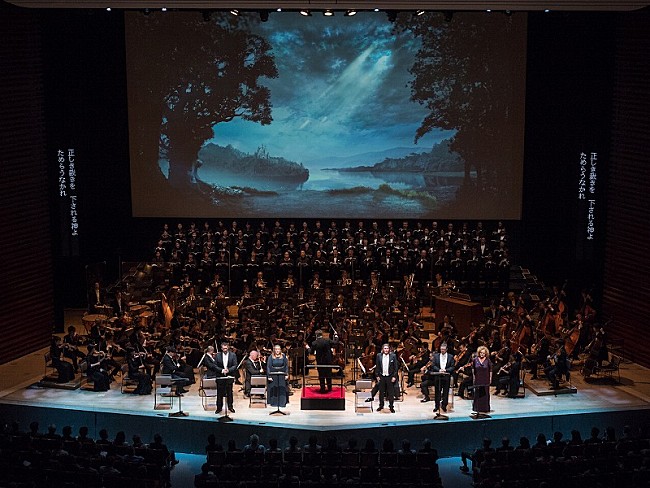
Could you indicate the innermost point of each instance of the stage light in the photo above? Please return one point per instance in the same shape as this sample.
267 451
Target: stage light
264 15
448 15
279 9
235 12
419 12
350 13
328 13
305 12
376 10
108 9
547 10
164 9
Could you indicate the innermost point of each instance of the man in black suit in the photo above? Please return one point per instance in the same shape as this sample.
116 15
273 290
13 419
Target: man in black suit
209 362
322 348
252 367
226 366
442 363
170 365
386 368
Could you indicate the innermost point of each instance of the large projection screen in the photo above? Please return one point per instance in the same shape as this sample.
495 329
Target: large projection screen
316 117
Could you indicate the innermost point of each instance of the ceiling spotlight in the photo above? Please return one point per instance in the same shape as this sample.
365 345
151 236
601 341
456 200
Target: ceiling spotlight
235 12
279 9
164 9
547 10
306 13
419 12
350 13
328 13
448 15
376 10
488 10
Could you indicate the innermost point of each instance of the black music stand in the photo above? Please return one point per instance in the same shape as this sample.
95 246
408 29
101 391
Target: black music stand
277 396
176 383
477 389
439 375
225 417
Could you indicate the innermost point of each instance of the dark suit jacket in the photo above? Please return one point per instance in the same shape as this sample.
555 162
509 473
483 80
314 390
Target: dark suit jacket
323 350
211 365
393 365
168 365
451 364
232 363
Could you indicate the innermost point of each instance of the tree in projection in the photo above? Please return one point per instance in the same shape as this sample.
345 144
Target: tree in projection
191 75
467 73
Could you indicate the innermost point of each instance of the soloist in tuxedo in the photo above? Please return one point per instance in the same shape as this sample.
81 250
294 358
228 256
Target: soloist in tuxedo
442 362
386 368
226 366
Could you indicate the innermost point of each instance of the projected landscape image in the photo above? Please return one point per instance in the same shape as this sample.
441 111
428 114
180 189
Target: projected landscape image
351 117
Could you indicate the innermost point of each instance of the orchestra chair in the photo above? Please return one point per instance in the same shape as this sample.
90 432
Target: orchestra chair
51 373
127 384
362 391
611 367
258 392
207 390
163 387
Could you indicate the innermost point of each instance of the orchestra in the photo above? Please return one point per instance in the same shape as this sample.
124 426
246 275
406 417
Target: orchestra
364 290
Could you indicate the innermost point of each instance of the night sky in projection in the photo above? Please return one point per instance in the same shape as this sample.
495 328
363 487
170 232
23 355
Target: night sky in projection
342 90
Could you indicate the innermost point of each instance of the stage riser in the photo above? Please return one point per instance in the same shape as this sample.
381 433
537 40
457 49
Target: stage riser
322 404
190 434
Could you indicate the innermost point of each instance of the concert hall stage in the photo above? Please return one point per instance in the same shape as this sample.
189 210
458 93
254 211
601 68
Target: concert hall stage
601 405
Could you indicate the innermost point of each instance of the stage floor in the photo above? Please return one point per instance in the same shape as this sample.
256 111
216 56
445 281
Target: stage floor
632 393
603 405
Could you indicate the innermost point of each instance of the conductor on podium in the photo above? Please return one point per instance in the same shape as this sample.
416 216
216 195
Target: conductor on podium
226 362
323 350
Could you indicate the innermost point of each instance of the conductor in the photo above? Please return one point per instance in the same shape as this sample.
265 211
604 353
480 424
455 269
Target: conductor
323 350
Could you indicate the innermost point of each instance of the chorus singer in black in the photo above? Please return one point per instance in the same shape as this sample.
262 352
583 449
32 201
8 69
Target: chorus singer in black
386 368
322 348
227 366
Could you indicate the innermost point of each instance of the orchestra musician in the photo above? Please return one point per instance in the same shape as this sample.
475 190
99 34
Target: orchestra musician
64 369
208 361
227 366
557 367
96 372
71 343
253 366
170 365
137 371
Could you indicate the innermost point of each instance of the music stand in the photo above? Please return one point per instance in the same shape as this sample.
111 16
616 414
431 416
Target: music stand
225 417
476 389
277 395
438 375
175 383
